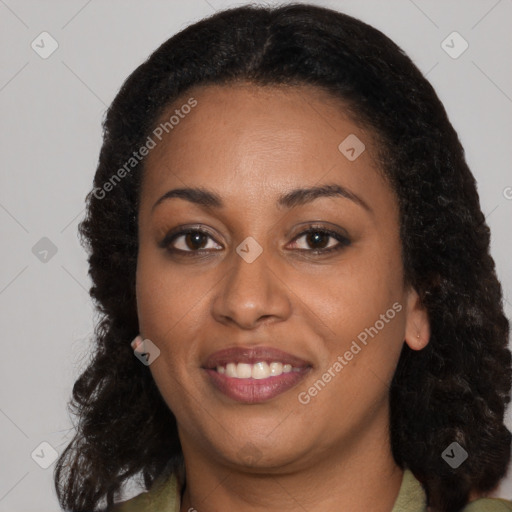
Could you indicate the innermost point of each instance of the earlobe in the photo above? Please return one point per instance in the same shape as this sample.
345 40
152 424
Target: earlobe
417 326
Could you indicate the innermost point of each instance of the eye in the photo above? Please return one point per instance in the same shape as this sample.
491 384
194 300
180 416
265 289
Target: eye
190 240
195 241
318 237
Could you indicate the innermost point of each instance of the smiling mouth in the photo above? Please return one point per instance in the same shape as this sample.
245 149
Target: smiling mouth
259 370
254 375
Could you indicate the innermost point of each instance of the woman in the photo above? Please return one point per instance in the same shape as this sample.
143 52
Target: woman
283 230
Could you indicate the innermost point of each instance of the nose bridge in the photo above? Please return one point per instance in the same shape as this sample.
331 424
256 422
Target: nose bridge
250 267
251 289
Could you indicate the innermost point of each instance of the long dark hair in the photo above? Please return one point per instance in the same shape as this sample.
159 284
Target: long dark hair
456 389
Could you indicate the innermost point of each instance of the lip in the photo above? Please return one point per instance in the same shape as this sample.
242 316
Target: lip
251 391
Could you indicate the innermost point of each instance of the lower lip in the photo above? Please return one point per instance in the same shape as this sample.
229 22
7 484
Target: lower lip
252 391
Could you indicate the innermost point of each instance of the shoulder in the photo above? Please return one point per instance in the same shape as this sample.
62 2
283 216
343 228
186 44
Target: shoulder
163 496
412 498
489 505
140 503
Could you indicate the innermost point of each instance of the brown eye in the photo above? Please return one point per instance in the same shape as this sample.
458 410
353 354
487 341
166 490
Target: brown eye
321 240
190 240
318 241
195 241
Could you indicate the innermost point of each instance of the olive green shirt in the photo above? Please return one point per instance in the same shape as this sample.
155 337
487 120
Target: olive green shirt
164 496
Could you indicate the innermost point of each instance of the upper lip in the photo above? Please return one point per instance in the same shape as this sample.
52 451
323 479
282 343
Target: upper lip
252 355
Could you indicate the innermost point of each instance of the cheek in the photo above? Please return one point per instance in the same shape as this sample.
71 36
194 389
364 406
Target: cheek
166 297
361 305
172 314
163 319
356 294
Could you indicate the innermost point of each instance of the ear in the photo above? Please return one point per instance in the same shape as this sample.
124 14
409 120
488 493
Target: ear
417 324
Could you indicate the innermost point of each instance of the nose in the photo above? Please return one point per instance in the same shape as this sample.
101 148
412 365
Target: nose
251 294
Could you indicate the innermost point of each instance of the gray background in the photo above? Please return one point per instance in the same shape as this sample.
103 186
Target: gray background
51 111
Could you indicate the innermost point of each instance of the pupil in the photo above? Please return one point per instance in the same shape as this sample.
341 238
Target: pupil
316 237
194 239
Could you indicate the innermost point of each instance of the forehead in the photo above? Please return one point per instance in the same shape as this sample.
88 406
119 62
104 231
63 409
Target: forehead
246 140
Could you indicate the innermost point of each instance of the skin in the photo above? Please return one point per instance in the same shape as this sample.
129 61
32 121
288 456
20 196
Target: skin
251 144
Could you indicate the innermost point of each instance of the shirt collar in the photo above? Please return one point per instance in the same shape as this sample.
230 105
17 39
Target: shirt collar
166 494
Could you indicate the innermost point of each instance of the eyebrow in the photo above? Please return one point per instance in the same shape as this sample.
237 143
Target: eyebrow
292 199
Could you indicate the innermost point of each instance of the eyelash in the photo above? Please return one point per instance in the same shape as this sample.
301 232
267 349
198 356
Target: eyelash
172 236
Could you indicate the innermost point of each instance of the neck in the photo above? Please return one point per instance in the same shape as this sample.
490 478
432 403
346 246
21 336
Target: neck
359 477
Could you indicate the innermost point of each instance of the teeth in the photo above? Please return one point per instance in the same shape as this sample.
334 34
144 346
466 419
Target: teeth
276 368
231 370
260 370
243 370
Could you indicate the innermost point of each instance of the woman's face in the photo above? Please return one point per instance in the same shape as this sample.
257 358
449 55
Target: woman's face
276 346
